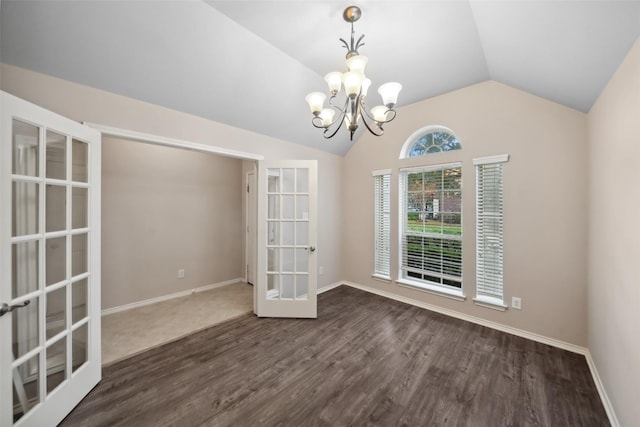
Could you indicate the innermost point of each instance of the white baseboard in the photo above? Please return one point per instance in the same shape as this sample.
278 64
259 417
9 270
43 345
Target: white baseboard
142 303
328 287
608 407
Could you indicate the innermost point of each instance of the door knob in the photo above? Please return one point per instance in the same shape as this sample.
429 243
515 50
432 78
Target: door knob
312 248
6 308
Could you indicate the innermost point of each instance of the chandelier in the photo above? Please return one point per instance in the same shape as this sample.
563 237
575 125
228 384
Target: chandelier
356 86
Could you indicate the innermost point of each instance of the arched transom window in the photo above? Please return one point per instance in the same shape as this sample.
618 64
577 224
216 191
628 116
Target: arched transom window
429 140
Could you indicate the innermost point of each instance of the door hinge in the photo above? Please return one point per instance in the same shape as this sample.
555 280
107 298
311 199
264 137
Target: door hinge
247 188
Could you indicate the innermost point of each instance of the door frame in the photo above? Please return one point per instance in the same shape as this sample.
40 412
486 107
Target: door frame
251 201
148 138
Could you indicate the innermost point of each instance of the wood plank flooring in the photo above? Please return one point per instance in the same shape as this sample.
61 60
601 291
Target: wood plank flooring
366 360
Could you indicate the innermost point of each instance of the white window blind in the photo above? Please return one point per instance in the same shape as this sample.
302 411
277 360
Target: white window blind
431 224
382 232
489 228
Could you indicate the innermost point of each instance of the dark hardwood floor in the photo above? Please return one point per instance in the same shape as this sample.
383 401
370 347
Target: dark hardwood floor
366 360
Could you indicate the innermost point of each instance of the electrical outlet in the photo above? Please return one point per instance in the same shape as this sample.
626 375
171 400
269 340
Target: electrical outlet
181 274
321 270
516 303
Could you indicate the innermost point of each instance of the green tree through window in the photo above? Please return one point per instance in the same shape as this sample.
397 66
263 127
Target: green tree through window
434 142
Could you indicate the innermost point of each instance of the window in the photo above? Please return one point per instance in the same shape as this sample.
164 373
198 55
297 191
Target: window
431 228
382 232
489 234
429 140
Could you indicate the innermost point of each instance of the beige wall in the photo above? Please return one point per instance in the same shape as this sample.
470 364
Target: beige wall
165 209
83 103
545 202
614 238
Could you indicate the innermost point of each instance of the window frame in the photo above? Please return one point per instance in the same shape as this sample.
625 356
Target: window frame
405 151
488 282
403 278
382 225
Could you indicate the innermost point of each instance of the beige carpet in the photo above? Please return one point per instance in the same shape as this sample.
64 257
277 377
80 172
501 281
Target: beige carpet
130 332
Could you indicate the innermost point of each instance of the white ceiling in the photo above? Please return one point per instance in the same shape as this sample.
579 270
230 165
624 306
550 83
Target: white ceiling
250 63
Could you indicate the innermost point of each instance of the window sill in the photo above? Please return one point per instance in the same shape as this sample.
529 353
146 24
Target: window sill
492 303
432 289
385 279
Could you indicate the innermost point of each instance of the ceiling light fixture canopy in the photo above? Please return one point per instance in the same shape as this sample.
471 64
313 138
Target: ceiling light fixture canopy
356 86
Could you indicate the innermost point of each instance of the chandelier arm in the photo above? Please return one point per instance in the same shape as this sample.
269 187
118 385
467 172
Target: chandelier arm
332 98
378 132
332 133
364 110
316 121
389 110
392 117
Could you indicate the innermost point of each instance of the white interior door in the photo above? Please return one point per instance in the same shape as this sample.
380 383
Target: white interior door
287 236
50 259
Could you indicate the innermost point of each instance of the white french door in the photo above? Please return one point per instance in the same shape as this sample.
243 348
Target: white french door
50 259
287 236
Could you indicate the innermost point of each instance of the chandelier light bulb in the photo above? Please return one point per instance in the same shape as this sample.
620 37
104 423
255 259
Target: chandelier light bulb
389 92
379 113
334 80
315 101
365 87
357 63
352 81
326 115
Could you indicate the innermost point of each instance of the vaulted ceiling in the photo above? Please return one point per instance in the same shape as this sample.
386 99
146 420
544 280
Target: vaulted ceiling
250 64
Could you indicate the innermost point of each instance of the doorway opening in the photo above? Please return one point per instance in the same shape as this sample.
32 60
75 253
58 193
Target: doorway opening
174 253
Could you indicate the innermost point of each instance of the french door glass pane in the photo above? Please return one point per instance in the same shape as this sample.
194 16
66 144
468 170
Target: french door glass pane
288 206
287 259
26 140
302 207
25 322
272 286
80 159
302 233
56 156
79 346
302 260
273 233
273 208
56 362
79 300
79 254
26 205
302 286
25 269
288 180
56 203
26 391
56 260
79 207
273 263
287 233
302 181
56 302
273 184
287 286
